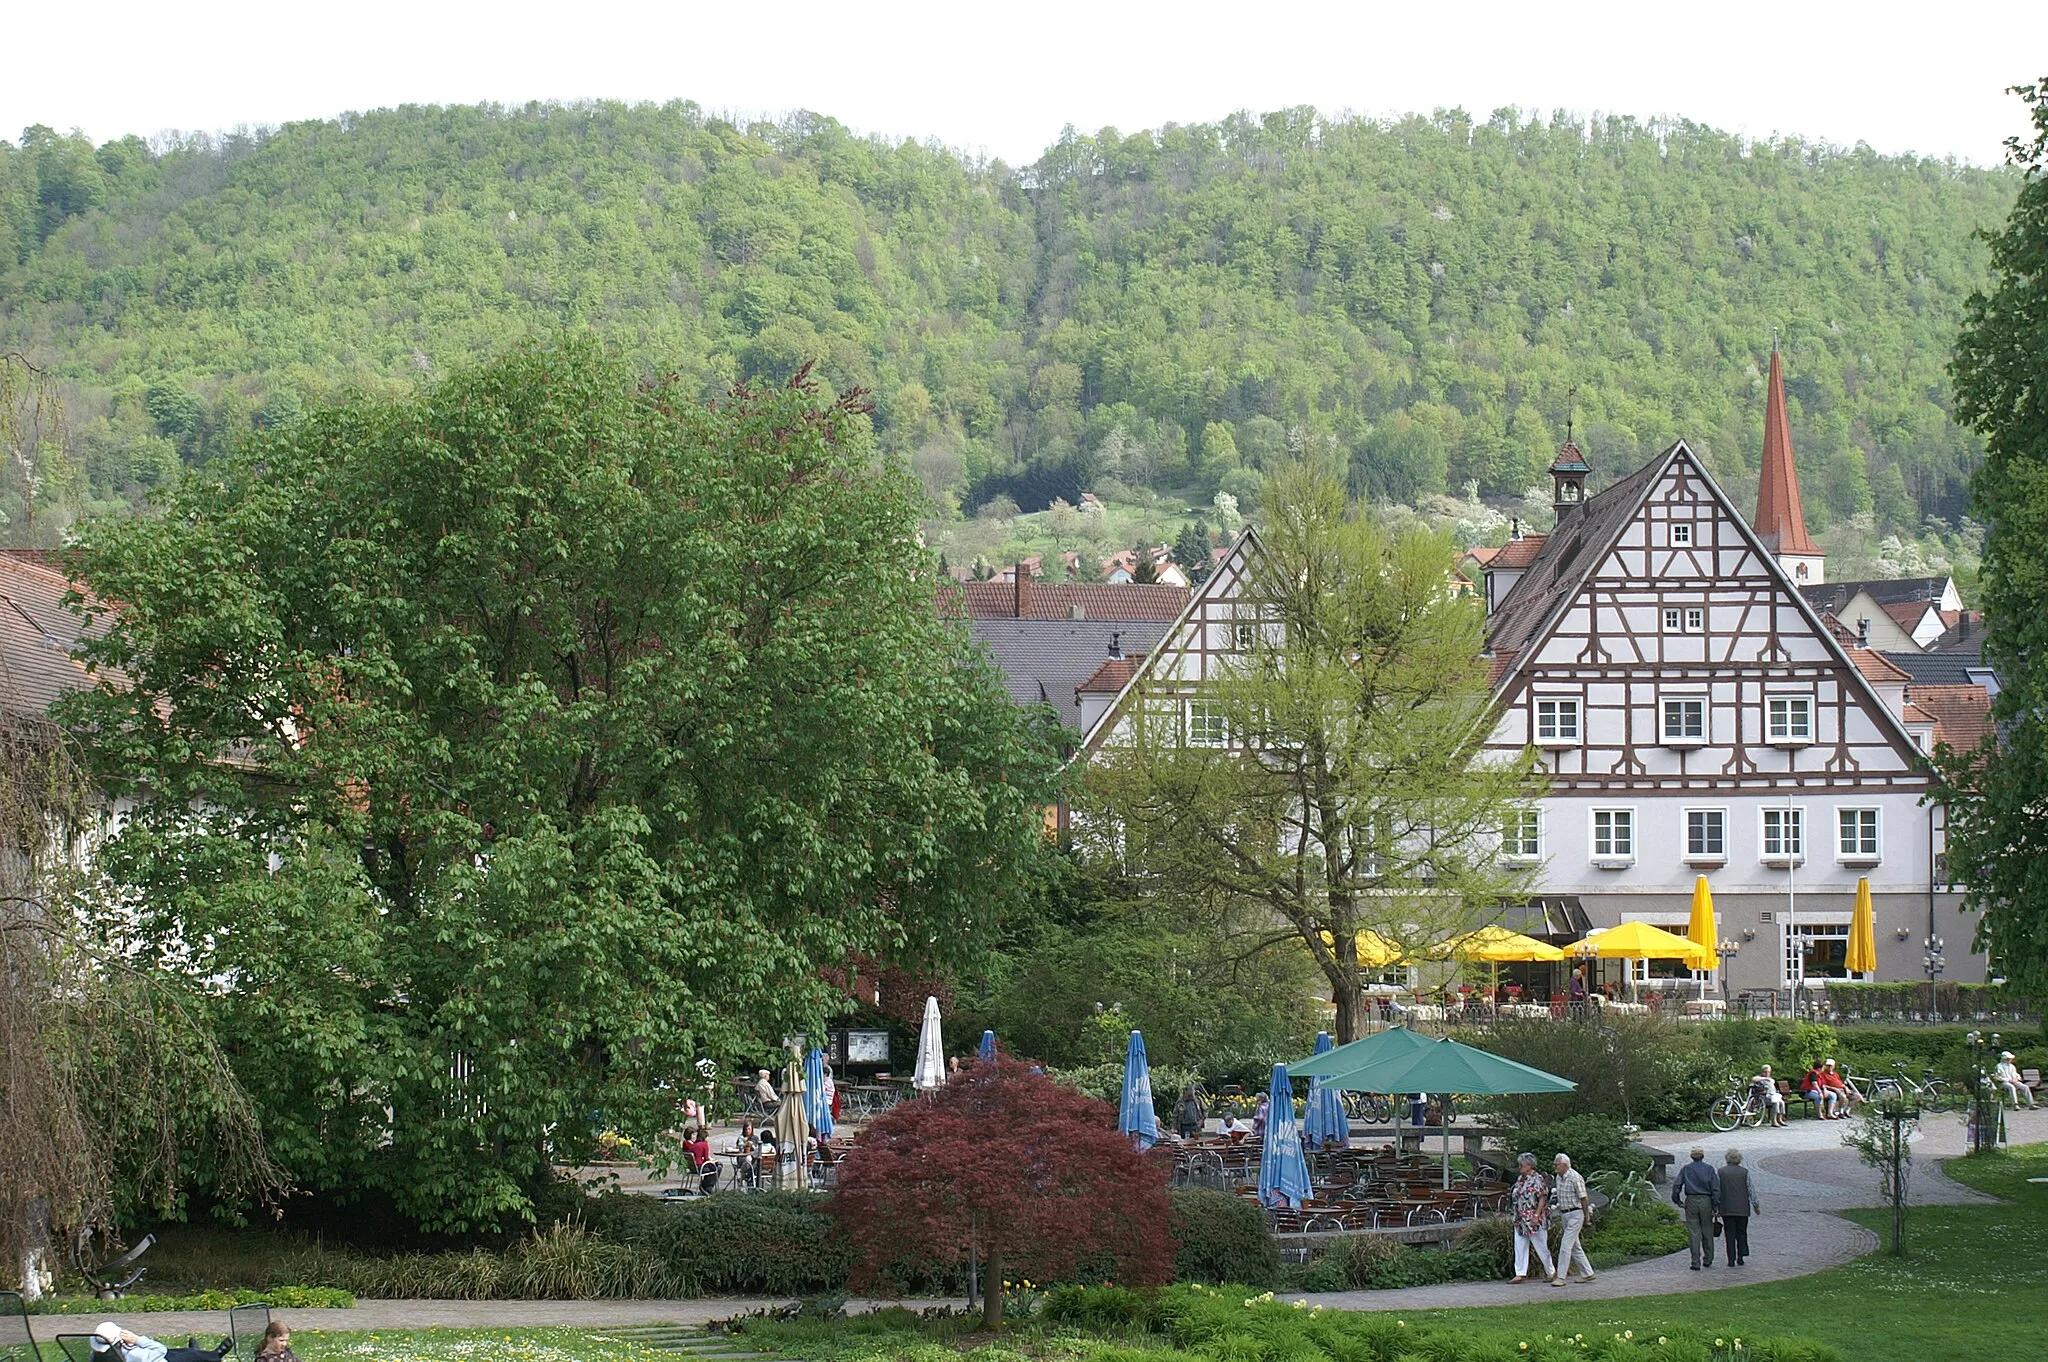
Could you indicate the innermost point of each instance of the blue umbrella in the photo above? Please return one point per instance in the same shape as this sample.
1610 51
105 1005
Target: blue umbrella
1326 1124
817 1110
1283 1172
1135 1116
988 1047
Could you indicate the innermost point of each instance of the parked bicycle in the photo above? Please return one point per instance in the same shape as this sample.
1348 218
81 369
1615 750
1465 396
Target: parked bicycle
1373 1108
1741 1105
1930 1092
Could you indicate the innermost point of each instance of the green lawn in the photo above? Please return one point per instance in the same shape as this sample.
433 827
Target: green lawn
1973 1286
474 1345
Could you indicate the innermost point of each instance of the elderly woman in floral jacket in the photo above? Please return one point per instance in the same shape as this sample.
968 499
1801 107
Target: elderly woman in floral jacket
1530 1201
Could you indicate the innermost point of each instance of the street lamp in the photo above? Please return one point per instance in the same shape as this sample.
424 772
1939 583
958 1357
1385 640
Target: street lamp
1983 1128
1589 956
1932 962
1727 951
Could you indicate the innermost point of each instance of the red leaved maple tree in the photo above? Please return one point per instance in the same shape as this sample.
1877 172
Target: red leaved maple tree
1004 1158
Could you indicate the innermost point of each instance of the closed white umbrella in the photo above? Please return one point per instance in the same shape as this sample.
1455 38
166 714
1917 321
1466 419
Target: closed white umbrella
792 1130
931 1051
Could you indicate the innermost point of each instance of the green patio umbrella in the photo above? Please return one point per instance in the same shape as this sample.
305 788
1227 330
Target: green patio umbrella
1448 1066
1395 1040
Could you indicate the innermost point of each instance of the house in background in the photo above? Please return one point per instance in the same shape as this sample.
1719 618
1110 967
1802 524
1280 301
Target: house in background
1696 716
1123 567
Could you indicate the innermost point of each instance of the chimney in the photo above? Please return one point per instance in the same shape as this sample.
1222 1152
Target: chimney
1863 631
1515 530
1962 625
1116 645
1076 612
1023 591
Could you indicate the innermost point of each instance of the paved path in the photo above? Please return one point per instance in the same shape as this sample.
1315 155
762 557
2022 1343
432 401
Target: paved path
1803 1175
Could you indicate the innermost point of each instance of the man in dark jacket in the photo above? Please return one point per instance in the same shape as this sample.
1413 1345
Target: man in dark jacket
1698 1193
1189 1118
1738 1203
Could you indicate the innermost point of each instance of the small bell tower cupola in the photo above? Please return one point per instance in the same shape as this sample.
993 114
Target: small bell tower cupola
1568 478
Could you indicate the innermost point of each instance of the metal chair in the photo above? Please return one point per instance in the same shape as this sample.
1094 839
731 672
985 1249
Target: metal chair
78 1348
246 1324
17 1340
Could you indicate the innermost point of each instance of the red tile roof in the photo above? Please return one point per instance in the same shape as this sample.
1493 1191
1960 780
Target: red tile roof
1875 666
1110 678
1057 601
1961 714
1518 553
37 634
1780 520
1498 666
1908 614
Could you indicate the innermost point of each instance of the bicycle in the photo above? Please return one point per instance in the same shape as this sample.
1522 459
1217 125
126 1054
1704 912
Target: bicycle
1931 1092
1373 1108
1741 1105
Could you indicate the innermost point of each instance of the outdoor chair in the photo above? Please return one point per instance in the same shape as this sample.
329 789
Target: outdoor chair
17 1340
246 1324
78 1348
2032 1078
111 1280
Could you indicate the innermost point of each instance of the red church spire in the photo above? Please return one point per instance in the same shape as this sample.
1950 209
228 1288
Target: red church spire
1779 520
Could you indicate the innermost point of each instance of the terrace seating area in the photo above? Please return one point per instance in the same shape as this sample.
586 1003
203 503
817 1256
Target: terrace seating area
1356 1190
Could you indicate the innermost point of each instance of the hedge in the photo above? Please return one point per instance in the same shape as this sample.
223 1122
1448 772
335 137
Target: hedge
278 1297
1221 1238
766 1243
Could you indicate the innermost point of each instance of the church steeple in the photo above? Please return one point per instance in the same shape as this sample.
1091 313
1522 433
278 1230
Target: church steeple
1780 522
1568 478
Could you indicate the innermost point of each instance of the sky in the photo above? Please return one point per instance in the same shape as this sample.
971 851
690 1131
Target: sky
1002 80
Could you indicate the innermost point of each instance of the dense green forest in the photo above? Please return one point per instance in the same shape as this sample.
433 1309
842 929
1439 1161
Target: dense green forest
1147 316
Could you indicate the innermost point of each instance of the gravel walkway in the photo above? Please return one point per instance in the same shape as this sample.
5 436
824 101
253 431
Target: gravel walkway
1803 1175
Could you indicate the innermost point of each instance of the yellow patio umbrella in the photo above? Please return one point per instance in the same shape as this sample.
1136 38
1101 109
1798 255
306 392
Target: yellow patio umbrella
1863 932
1374 950
1498 945
1701 931
1641 941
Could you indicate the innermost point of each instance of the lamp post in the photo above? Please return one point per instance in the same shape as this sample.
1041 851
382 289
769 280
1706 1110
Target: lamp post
1932 962
1589 956
1983 1126
1727 951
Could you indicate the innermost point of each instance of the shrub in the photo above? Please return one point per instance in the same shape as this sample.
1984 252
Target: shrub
1102 1309
1623 1066
1492 1237
1803 1046
1004 1158
294 1297
1595 1144
766 1244
1221 1238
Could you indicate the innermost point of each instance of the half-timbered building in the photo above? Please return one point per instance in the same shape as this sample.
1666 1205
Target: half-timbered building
1695 715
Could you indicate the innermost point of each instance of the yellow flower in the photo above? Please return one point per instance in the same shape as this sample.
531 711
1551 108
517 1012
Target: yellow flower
1628 1333
1718 1343
1523 1346
1301 1305
1661 1340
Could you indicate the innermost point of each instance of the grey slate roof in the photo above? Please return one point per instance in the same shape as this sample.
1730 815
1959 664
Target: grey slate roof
1951 668
1831 597
1043 660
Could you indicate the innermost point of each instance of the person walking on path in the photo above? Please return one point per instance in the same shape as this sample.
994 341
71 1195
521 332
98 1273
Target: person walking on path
1738 1204
1530 1199
1696 1190
1568 1197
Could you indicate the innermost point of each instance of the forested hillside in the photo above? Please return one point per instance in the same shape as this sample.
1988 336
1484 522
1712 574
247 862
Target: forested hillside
1139 315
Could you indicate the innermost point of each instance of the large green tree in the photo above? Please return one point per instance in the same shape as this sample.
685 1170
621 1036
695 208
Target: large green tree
1329 781
1998 842
501 750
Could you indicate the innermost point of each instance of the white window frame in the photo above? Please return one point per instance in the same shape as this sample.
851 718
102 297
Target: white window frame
1703 856
1203 724
1672 705
1522 835
1695 619
1790 850
1673 620
1788 733
1561 708
1681 534
1792 962
1620 834
1864 844
1243 634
